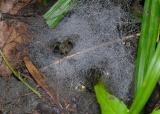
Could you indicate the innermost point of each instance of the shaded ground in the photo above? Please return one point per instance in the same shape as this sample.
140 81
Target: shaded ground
93 35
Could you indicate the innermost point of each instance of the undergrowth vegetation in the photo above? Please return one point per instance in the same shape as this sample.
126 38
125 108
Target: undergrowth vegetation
57 12
147 67
147 64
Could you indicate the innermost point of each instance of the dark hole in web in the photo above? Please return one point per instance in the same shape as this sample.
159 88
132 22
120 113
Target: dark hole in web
141 2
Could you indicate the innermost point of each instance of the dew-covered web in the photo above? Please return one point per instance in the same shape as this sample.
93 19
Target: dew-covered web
93 26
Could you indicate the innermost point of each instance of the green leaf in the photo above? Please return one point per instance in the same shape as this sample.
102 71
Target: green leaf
53 8
57 12
64 8
109 104
54 22
156 112
147 43
148 85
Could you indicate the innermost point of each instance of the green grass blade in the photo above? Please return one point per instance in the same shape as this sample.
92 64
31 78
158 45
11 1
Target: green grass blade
57 12
153 30
148 85
147 43
156 112
18 75
54 22
140 62
109 104
53 8
64 8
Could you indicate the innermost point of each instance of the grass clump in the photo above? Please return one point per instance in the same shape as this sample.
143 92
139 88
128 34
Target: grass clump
147 67
147 64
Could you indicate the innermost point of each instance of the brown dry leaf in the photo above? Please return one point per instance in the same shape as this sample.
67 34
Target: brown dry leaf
39 1
12 6
13 34
39 78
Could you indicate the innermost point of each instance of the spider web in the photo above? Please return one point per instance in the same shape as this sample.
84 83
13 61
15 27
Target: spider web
102 28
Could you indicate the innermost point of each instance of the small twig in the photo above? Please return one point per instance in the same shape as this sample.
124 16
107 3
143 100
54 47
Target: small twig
39 78
18 75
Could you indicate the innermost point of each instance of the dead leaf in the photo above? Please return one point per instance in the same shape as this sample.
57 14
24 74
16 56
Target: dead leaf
13 35
39 1
12 6
39 78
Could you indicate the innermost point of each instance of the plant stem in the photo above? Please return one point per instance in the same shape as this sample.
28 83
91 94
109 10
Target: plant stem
148 40
148 85
18 75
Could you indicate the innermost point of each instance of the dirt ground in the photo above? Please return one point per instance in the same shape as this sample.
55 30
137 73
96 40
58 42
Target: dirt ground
99 35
